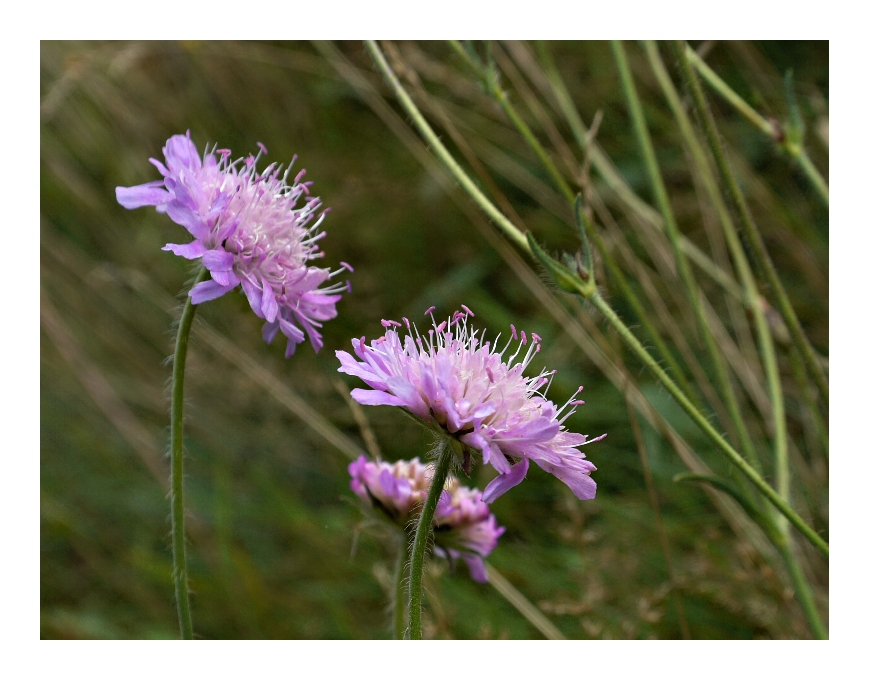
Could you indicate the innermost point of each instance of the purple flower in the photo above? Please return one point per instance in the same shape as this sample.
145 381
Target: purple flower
455 380
464 526
398 489
248 230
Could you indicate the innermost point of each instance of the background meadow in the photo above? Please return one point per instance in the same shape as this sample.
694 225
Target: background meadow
278 545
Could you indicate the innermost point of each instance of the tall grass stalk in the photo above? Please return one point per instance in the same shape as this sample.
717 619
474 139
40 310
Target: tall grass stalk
572 283
722 379
746 221
794 148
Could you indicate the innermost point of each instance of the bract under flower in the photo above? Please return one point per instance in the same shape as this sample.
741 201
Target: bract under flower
454 379
464 526
249 229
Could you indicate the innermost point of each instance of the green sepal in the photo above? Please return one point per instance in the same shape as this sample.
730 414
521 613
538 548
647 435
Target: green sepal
587 259
563 277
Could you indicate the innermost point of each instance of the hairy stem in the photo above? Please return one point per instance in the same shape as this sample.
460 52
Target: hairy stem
643 318
795 151
748 225
719 370
179 553
520 239
732 455
420 538
506 226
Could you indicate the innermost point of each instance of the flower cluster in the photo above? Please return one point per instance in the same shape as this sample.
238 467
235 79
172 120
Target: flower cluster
463 526
454 379
250 229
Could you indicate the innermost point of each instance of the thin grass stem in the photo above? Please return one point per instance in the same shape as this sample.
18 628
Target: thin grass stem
747 223
685 273
519 238
653 500
795 150
732 455
507 227
802 589
490 78
613 179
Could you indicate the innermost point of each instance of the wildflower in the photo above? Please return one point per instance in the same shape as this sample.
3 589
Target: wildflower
455 380
249 229
464 526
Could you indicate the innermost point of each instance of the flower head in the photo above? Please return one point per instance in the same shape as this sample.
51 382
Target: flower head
453 379
464 526
249 228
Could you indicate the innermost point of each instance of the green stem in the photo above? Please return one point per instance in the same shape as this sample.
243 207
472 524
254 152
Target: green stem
802 590
642 317
813 174
620 187
737 102
398 607
507 227
746 221
780 538
774 132
732 455
685 273
179 554
520 239
489 76
420 538
746 277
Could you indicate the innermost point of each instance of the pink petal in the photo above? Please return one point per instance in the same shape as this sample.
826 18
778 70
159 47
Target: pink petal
208 290
270 304
218 260
152 193
190 250
375 398
506 481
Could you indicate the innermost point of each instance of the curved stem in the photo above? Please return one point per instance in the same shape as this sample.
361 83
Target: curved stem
506 226
613 179
179 554
719 370
489 77
420 538
398 609
747 223
795 151
520 239
732 455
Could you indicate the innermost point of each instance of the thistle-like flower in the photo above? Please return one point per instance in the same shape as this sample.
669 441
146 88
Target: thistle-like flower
463 525
453 379
249 228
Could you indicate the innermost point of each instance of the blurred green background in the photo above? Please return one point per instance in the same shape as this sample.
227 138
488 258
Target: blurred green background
278 546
